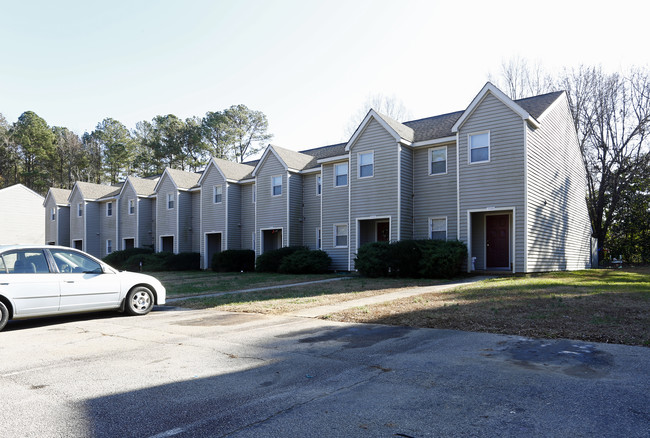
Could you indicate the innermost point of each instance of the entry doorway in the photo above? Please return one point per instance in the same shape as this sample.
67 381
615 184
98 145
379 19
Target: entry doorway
212 247
497 241
373 230
129 243
78 244
271 239
167 244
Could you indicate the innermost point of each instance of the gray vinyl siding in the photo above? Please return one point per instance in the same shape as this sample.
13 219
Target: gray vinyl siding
295 209
335 211
195 220
92 244
185 215
107 226
434 195
498 184
166 219
128 228
406 194
558 221
63 224
76 222
376 196
247 215
271 210
311 210
234 216
52 226
145 207
213 215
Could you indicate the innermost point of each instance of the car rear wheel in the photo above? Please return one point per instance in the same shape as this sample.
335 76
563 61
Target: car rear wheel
139 301
4 315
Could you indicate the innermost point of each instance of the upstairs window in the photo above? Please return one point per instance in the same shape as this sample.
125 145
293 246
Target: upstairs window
276 186
80 209
109 209
52 213
438 228
254 192
438 160
319 185
217 192
479 147
170 201
341 175
131 206
366 164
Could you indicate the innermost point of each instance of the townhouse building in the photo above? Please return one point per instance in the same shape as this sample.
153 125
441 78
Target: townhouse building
505 177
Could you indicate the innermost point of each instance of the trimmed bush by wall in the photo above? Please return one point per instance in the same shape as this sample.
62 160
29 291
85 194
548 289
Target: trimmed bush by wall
305 261
270 260
163 261
234 260
117 259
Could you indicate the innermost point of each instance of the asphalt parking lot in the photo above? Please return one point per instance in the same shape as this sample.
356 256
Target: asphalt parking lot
180 373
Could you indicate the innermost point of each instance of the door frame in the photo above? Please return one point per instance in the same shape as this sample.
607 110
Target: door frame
512 211
206 258
508 245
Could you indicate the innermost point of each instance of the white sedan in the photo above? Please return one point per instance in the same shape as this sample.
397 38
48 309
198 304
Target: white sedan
53 280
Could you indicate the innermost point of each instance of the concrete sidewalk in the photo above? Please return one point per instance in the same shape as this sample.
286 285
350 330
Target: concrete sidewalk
316 312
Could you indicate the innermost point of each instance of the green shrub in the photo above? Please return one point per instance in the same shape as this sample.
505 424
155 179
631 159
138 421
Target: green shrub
442 259
411 259
305 261
163 261
185 261
270 260
373 259
117 259
234 260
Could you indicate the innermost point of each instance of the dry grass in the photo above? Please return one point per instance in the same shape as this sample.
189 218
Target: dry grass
594 305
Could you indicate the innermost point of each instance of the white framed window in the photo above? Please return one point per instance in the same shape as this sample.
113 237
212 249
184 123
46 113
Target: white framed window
52 213
109 246
340 235
80 209
276 185
217 194
341 175
479 147
319 185
318 239
438 160
254 192
131 206
109 209
366 164
170 201
438 228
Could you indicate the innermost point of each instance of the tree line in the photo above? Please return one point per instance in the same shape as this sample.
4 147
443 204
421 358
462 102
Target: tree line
40 156
611 114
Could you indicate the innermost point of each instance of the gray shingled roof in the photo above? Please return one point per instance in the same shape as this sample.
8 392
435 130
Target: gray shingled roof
536 105
434 127
60 196
293 159
182 179
404 131
232 170
93 191
143 186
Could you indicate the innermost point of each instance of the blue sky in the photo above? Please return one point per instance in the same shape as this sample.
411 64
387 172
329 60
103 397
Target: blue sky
307 65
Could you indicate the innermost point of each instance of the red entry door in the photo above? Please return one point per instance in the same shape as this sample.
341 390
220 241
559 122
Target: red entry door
383 231
497 241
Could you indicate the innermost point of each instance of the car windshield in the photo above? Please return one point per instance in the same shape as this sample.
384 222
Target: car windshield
69 261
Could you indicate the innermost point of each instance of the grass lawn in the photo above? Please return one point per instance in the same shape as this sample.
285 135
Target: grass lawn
593 305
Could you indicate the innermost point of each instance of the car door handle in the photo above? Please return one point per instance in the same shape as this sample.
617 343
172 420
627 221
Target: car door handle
4 284
69 281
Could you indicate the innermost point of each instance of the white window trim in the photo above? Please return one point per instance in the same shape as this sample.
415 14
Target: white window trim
319 185
469 147
272 186
254 196
172 199
111 209
347 166
431 160
347 236
80 209
109 246
215 188
319 238
431 219
372 153
52 213
128 206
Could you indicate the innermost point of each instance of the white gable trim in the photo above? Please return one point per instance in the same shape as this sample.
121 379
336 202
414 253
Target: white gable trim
205 172
269 149
159 183
494 91
372 115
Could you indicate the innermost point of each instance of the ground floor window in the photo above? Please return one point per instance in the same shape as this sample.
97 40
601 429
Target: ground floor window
438 228
340 235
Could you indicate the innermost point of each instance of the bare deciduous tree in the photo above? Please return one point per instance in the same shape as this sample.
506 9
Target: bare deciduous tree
388 106
519 78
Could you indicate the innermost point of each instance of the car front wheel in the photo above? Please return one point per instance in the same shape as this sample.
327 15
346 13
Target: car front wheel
139 301
4 315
